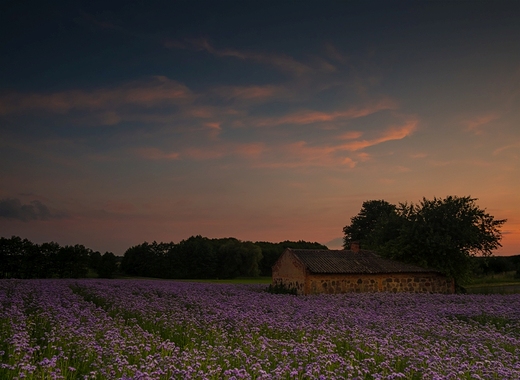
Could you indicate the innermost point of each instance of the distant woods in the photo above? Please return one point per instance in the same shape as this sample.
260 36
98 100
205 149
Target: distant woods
200 257
195 258
20 258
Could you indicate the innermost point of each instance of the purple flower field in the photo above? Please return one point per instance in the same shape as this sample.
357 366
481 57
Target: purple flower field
111 329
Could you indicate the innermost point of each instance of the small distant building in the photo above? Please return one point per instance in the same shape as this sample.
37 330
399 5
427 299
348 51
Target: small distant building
311 271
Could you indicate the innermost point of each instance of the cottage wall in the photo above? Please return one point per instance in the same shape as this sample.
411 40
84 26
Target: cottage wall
289 272
413 283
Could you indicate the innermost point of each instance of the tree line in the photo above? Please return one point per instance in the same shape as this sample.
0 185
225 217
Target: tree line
443 234
194 258
20 258
201 257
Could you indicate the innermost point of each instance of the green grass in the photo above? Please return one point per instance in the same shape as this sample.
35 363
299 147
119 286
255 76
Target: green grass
501 278
506 278
504 283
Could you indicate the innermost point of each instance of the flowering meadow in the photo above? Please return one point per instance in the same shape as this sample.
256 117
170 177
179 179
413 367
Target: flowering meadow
126 329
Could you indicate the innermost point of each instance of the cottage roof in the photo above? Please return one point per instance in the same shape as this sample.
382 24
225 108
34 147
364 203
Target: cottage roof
345 261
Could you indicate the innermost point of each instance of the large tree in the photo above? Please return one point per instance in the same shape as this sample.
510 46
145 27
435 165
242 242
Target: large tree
441 233
364 226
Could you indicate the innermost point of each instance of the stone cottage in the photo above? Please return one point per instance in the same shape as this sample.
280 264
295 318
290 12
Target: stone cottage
311 271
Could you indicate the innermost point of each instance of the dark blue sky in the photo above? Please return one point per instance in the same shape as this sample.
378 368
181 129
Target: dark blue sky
265 120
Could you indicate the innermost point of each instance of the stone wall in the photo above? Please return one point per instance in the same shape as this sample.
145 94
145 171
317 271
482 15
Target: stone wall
413 283
289 272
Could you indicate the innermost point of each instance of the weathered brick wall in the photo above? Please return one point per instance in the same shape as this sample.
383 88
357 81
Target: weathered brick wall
414 283
289 272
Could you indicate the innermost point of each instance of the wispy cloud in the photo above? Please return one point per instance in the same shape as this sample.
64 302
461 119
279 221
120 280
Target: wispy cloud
309 116
338 154
279 61
477 124
393 133
155 92
339 150
506 147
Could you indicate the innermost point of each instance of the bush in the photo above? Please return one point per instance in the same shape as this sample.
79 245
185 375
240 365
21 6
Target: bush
281 289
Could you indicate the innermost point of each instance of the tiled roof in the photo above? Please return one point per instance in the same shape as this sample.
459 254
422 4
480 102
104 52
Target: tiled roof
343 261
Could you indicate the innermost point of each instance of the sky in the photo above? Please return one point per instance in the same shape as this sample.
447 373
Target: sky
130 121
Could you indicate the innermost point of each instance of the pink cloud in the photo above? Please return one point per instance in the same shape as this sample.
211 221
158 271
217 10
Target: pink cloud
250 150
393 133
475 124
506 147
213 126
296 154
300 153
157 91
309 117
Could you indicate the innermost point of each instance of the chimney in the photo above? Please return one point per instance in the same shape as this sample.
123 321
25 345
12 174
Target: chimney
354 246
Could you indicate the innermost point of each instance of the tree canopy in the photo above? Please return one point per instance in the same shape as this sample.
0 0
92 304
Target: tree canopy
441 234
197 257
20 258
201 257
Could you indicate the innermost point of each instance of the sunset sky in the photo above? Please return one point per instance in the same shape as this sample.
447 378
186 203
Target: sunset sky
124 122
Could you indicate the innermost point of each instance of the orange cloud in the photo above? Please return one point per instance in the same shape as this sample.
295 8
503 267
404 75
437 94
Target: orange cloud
157 91
250 150
300 153
474 125
394 133
506 147
213 126
308 117
214 129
